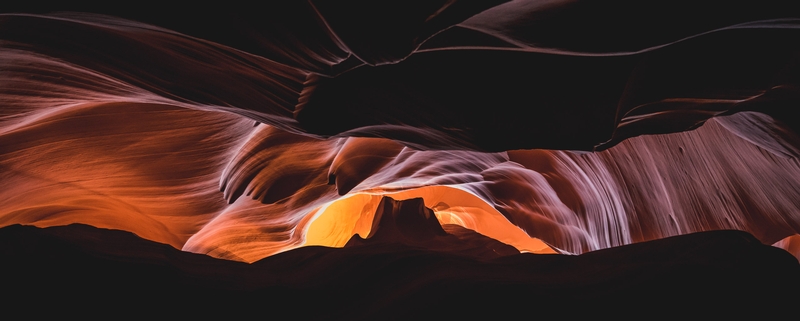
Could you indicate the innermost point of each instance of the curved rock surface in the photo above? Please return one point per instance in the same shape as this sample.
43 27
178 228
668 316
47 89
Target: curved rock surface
410 223
548 126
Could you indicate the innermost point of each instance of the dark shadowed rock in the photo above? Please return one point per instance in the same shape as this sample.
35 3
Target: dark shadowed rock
76 269
410 223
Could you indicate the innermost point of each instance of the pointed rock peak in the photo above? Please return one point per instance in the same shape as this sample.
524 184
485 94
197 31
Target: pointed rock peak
407 221
410 223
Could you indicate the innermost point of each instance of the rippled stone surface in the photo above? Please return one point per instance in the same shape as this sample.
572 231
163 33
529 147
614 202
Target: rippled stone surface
532 126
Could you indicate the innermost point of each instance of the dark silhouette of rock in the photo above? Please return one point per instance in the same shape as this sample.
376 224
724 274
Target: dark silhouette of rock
98 95
81 270
410 223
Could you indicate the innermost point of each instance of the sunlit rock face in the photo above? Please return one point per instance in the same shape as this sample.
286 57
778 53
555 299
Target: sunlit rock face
791 244
547 126
92 163
575 202
410 223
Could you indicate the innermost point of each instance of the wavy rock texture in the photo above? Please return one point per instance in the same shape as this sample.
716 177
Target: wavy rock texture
550 126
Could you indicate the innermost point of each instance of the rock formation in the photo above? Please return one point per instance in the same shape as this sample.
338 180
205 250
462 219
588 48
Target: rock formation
468 129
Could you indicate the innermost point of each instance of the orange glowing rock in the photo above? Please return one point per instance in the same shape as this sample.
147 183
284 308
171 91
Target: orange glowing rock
354 215
123 124
791 244
410 223
96 164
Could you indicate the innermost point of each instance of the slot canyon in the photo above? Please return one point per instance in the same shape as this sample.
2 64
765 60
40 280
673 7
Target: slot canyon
393 159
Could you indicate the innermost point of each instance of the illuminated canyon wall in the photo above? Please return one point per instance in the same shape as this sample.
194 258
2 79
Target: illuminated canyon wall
550 126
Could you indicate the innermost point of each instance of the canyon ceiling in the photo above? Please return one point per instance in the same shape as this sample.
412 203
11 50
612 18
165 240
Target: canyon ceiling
482 128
